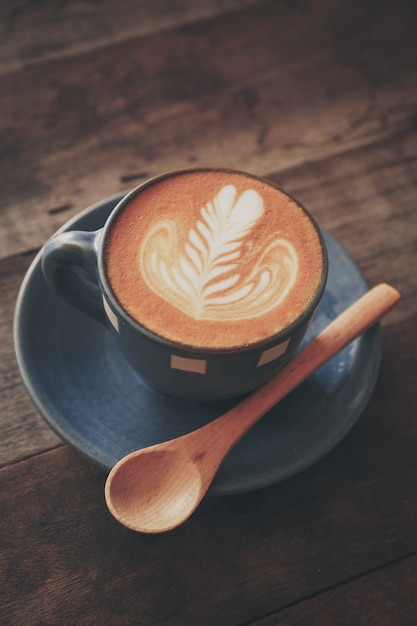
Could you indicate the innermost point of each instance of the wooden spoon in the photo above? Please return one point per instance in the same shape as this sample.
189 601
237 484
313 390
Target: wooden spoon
157 488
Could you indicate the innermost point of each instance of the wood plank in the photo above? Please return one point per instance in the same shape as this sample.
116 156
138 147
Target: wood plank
366 199
385 596
31 34
102 121
382 240
318 95
239 557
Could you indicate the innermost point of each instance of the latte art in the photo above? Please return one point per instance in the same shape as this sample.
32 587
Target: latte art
203 279
213 258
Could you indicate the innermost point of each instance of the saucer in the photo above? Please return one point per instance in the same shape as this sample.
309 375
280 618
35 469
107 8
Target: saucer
90 396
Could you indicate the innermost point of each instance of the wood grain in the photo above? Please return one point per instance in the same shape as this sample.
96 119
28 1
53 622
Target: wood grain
69 560
101 121
33 34
375 598
320 96
364 196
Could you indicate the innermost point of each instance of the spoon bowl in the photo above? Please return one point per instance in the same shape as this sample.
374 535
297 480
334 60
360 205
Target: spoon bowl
156 489
159 504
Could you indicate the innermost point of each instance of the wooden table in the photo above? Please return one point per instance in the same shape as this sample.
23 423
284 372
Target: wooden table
320 97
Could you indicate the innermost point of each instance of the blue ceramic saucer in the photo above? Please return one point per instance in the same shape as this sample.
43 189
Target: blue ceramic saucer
89 395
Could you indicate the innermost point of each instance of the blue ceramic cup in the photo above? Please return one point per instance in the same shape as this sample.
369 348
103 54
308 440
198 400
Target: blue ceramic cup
207 278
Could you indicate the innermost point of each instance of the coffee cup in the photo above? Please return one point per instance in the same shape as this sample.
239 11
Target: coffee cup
208 279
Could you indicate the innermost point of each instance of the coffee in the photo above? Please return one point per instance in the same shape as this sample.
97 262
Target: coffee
213 258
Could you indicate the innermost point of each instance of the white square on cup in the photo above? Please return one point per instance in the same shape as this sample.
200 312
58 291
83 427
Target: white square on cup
198 366
112 317
273 353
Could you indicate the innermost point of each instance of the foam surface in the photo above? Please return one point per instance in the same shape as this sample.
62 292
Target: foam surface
213 258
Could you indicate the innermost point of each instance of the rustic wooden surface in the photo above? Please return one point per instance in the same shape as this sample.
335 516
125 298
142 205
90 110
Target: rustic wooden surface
319 96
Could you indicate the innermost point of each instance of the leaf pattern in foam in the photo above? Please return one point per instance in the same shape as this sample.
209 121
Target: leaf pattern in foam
202 279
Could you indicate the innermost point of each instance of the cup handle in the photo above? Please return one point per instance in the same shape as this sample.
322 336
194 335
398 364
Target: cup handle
69 265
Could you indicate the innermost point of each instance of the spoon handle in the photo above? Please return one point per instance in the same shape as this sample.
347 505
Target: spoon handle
355 320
